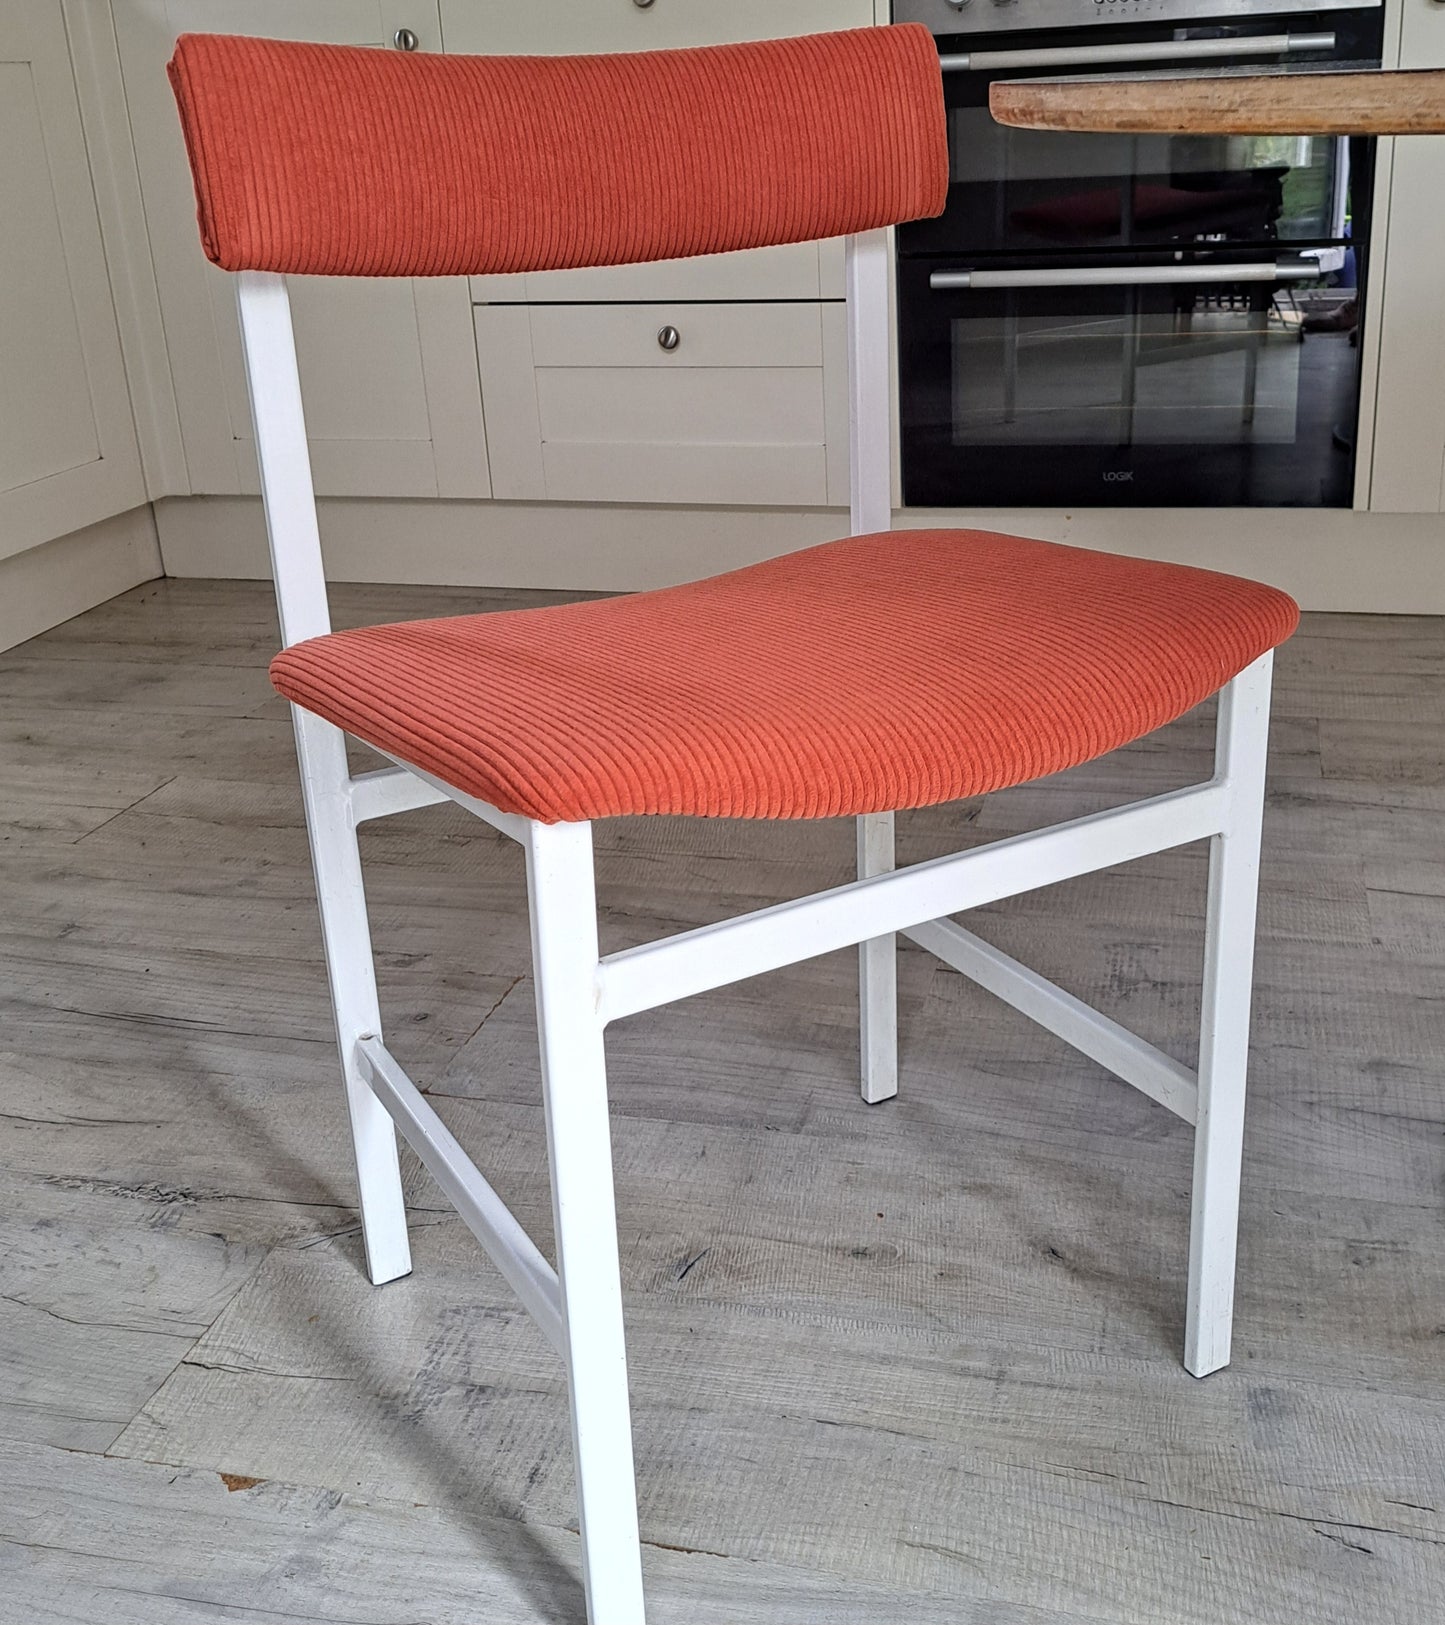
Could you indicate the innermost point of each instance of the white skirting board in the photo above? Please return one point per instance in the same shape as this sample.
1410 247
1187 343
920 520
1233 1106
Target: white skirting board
46 585
1330 560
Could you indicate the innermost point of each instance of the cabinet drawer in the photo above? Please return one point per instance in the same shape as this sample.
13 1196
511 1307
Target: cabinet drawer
793 271
711 336
552 27
583 404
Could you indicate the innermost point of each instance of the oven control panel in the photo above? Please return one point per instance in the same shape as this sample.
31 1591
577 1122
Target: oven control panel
995 16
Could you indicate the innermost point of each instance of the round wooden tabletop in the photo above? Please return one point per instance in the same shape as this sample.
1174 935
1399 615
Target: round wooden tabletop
1234 102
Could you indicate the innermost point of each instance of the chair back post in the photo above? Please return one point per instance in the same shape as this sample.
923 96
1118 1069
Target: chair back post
870 416
279 422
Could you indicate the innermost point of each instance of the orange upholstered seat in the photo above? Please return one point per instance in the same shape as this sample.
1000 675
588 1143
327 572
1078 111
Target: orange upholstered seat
877 672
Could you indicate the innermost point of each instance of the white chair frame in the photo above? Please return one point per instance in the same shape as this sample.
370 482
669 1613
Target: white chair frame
579 1304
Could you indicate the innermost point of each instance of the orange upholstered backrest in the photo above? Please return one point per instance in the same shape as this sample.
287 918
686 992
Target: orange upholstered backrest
346 161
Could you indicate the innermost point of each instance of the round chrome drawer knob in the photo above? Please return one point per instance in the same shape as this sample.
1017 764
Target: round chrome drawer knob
404 39
668 337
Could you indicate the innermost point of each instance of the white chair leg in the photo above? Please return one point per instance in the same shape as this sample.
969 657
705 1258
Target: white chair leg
579 1144
1240 752
877 972
336 861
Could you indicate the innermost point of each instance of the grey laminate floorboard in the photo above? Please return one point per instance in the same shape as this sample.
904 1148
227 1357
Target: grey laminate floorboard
911 1362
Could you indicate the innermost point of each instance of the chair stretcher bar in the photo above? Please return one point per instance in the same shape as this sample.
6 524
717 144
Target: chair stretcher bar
390 790
485 1214
690 962
1099 1037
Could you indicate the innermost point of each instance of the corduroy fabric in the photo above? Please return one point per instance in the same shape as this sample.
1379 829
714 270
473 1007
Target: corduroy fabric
344 161
874 673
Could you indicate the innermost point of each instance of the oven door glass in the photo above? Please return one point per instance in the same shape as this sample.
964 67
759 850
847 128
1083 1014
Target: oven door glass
1167 394
1029 191
1037 192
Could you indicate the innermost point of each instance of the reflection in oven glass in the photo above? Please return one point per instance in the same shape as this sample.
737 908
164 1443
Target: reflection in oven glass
1209 367
1025 188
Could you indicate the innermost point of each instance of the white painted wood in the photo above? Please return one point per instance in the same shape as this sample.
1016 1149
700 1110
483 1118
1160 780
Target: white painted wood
585 405
1241 750
1371 324
279 419
870 463
46 585
280 431
487 1216
715 955
393 394
790 271
68 453
341 897
453 387
511 825
1330 559
636 408
550 27
390 790
870 437
579 1147
877 972
710 336
101 89
509 393
391 386
1407 443
1125 1054
835 399
717 473
341 309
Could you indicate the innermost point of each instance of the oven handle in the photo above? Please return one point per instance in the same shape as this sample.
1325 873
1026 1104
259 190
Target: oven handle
1084 56
1128 276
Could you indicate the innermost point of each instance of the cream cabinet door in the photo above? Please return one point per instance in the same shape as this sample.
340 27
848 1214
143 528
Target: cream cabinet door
1407 470
547 27
674 403
68 454
388 369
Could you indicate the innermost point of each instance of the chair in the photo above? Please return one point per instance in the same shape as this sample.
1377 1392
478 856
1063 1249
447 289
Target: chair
880 672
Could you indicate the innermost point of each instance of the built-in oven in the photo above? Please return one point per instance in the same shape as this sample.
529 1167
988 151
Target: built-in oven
1155 320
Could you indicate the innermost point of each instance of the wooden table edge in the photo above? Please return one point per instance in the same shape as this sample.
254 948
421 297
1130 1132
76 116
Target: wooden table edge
1406 101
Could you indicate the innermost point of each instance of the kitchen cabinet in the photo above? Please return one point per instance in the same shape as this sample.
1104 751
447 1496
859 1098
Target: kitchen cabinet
394 381
392 396
547 27
68 453
669 402
1407 473
792 271
582 403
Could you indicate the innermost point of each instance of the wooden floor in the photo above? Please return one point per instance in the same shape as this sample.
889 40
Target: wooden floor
914 1362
